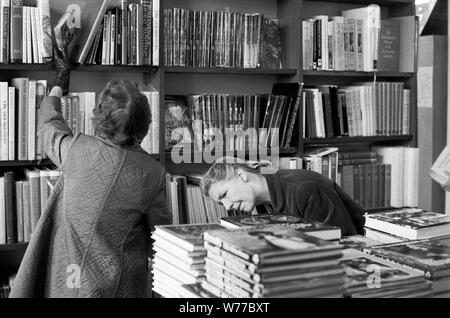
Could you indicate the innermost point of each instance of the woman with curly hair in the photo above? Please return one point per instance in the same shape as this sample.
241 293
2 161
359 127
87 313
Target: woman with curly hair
92 239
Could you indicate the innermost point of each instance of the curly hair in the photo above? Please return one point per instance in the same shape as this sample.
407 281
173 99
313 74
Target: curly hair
122 114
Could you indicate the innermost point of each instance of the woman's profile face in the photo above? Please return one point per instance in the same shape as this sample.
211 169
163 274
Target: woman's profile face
234 194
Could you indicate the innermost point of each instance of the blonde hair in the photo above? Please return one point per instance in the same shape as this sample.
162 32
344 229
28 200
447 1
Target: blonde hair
222 172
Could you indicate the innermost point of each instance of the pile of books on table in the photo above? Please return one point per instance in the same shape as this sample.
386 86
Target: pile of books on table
369 277
179 258
271 261
429 258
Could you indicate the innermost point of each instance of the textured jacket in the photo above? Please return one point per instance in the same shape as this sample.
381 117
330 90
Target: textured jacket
92 239
310 195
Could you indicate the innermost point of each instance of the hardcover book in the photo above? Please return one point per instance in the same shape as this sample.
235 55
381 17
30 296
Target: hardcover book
389 48
410 223
188 236
271 244
271 58
358 270
430 257
316 229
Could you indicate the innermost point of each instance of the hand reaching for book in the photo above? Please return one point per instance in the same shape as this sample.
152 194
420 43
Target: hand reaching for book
62 67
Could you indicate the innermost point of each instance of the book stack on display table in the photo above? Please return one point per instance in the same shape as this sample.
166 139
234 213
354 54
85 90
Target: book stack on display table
394 281
430 258
271 261
179 257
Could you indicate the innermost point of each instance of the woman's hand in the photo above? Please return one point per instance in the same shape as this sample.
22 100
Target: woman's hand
62 67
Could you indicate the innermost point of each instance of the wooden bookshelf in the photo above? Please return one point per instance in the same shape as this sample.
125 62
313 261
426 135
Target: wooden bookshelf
356 140
13 247
43 163
80 68
400 75
223 70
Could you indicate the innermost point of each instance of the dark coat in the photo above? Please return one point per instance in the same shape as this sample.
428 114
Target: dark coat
312 196
92 239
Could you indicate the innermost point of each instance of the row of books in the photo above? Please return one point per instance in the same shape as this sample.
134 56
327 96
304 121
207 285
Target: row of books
19 103
125 35
108 45
22 202
187 203
347 42
370 109
26 35
245 121
221 39
382 178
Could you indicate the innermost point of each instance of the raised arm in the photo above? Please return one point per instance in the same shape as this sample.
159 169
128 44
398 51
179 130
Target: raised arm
53 132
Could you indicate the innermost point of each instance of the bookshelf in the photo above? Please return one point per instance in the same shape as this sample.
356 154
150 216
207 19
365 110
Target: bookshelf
175 80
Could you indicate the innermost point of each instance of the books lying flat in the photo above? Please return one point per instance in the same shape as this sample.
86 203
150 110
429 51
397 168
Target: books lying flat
393 280
430 257
358 242
383 237
265 245
410 223
189 237
316 229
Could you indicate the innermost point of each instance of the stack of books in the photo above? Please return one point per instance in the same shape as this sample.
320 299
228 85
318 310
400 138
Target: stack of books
316 229
369 277
179 257
406 224
271 261
430 258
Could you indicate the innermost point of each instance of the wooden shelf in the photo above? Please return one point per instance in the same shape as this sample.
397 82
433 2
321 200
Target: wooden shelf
13 247
17 163
285 151
356 140
357 74
227 70
80 68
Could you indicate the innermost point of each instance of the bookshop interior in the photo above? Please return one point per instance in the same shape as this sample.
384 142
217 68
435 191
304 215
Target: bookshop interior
224 149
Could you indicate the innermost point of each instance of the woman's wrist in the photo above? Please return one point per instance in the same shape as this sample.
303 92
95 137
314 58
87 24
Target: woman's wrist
56 91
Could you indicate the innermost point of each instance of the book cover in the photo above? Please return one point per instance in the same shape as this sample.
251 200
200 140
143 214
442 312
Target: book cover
45 24
10 207
410 223
316 229
270 244
271 55
389 48
428 256
358 270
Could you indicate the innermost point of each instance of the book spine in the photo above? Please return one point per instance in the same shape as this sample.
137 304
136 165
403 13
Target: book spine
112 40
156 30
31 129
26 211
34 35
19 209
35 198
22 85
2 212
16 31
5 30
4 112
406 111
12 124
388 185
105 39
125 26
10 207
147 31
139 35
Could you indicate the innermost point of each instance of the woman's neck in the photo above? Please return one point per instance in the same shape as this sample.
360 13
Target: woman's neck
261 189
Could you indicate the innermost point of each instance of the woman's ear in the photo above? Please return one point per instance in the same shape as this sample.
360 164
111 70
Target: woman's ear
243 176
